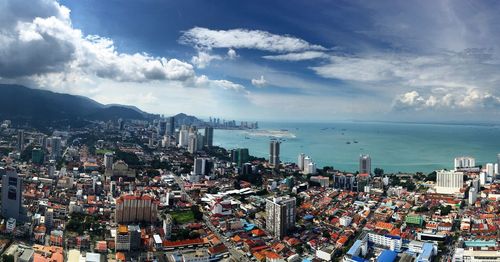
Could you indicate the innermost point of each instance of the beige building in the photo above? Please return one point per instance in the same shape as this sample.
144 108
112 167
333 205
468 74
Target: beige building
132 209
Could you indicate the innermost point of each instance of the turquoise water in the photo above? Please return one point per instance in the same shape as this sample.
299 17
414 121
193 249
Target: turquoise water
395 147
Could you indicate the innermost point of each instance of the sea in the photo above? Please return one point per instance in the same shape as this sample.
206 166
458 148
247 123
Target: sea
394 147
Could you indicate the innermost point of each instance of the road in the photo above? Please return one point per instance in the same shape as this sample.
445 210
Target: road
236 254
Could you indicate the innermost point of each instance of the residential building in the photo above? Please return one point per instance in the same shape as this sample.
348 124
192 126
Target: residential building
281 212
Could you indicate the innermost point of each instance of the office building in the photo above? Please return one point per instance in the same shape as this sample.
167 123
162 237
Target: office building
449 182
11 194
133 209
170 126
240 156
202 166
464 162
37 156
274 153
209 136
280 215
162 128
167 226
365 164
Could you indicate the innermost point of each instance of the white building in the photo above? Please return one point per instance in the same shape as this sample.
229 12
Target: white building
310 168
470 255
300 161
472 196
345 221
449 182
464 162
280 215
393 243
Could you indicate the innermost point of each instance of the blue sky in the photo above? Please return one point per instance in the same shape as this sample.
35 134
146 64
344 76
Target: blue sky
263 60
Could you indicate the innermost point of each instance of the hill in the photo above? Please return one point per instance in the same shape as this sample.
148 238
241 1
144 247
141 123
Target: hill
22 104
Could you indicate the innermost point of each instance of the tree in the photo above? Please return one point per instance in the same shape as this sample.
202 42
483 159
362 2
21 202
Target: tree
198 215
378 171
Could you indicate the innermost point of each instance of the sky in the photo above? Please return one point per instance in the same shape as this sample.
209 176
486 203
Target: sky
263 60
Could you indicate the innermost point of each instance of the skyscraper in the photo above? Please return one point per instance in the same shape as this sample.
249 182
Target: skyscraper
202 166
11 194
171 126
209 136
274 153
242 156
365 164
162 128
193 143
300 161
20 140
280 215
56 147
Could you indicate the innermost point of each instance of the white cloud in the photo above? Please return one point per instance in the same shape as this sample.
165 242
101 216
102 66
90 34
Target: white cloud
260 82
231 54
243 38
471 100
203 59
42 40
306 55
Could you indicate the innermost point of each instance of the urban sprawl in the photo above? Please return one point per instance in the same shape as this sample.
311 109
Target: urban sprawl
158 191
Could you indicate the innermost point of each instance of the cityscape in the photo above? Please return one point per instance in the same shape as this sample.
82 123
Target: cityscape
242 131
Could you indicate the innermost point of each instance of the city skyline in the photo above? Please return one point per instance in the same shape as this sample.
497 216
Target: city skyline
396 61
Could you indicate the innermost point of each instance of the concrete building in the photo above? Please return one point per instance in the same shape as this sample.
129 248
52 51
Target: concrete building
133 209
209 137
170 126
280 215
464 162
274 153
108 160
365 164
300 161
471 255
449 182
11 194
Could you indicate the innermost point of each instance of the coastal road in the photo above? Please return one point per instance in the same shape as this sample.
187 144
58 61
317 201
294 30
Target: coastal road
236 254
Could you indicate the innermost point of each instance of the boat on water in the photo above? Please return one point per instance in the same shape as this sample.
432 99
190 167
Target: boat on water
348 142
355 141
246 137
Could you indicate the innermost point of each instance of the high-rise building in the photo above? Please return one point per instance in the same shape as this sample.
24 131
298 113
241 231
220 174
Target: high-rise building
37 156
274 153
365 164
193 143
300 161
280 215
55 147
167 226
11 194
449 182
464 162
162 128
171 126
133 209
242 156
183 137
20 140
108 161
209 136
202 166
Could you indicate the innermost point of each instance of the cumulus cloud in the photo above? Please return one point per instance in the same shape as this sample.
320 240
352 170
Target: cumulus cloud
204 81
306 55
260 82
231 53
41 39
205 38
203 59
472 99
